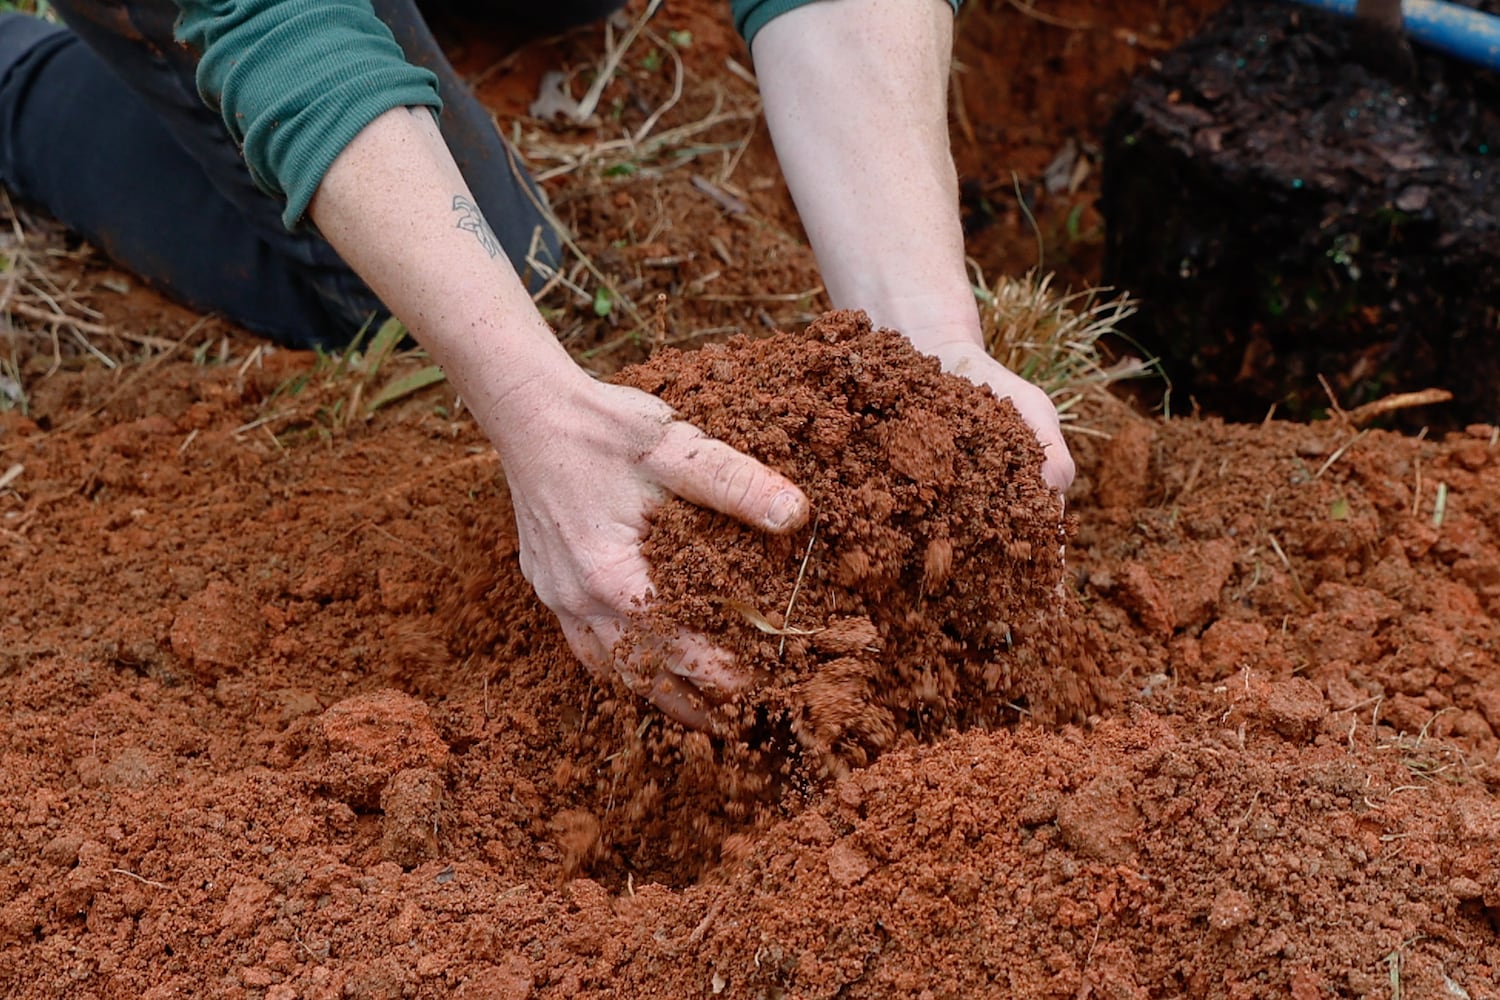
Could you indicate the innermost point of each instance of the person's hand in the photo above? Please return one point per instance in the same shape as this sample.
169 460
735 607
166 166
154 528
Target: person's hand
591 465
971 361
587 462
837 81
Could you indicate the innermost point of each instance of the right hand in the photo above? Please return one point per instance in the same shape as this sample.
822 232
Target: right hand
970 360
587 465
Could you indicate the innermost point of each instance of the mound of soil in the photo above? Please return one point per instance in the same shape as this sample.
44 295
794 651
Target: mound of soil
930 595
240 759
924 595
283 720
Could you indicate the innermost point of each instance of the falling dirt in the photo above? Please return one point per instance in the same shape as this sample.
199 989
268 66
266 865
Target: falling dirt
283 720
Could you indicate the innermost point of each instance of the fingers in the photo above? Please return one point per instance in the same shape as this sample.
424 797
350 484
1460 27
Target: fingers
682 674
1037 410
970 361
1058 468
711 474
679 700
709 669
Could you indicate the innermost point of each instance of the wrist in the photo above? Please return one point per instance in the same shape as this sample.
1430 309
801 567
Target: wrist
936 324
517 398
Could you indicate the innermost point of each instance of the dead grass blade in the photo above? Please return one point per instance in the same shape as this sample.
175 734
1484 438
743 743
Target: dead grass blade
1053 339
614 53
1398 401
760 621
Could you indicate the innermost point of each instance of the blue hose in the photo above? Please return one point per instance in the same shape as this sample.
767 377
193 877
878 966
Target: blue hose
1466 34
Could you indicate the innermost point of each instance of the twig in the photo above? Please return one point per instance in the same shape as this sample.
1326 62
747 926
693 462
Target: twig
1338 454
1296 582
616 54
671 102
1416 490
735 69
575 156
1398 401
567 240
714 909
724 199
786 619
48 316
784 297
144 881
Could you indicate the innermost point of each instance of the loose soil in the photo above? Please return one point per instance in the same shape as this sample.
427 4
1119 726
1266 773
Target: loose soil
284 720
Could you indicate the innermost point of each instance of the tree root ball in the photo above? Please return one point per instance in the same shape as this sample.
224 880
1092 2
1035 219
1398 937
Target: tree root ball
925 593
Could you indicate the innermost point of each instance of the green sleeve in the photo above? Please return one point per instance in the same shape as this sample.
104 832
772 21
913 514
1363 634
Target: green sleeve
752 15
296 80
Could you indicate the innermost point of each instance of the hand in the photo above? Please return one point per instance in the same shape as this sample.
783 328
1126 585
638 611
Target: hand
587 462
971 361
593 463
837 81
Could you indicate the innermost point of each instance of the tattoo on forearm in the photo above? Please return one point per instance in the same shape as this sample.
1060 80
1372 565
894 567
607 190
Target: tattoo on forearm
473 221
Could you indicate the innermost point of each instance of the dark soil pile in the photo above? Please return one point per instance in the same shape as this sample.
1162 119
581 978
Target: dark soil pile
928 582
1284 210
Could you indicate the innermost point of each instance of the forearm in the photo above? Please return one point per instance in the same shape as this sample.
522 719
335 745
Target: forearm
396 208
855 95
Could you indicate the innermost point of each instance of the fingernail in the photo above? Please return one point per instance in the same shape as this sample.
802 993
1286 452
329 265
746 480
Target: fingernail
786 507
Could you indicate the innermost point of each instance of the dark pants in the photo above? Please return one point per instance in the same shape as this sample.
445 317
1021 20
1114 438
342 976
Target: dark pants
102 127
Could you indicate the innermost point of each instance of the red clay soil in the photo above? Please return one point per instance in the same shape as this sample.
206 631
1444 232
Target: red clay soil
282 719
929 573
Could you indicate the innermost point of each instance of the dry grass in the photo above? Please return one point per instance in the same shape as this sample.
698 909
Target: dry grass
1054 339
662 129
46 320
51 293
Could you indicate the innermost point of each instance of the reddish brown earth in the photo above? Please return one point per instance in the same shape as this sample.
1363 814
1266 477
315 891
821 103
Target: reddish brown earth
283 720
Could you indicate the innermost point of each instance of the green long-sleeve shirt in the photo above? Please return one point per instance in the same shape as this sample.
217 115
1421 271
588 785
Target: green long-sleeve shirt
296 80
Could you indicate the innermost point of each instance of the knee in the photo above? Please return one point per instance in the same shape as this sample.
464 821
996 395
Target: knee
20 35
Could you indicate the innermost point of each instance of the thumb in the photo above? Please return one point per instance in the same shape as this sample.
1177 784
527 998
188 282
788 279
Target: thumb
711 474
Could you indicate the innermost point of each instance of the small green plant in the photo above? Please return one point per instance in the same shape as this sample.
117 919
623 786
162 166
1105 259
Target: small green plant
354 379
604 303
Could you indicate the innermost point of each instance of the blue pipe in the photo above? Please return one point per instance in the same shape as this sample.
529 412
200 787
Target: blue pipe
1466 34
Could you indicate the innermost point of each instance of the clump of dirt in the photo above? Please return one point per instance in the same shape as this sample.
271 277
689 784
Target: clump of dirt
929 596
923 595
